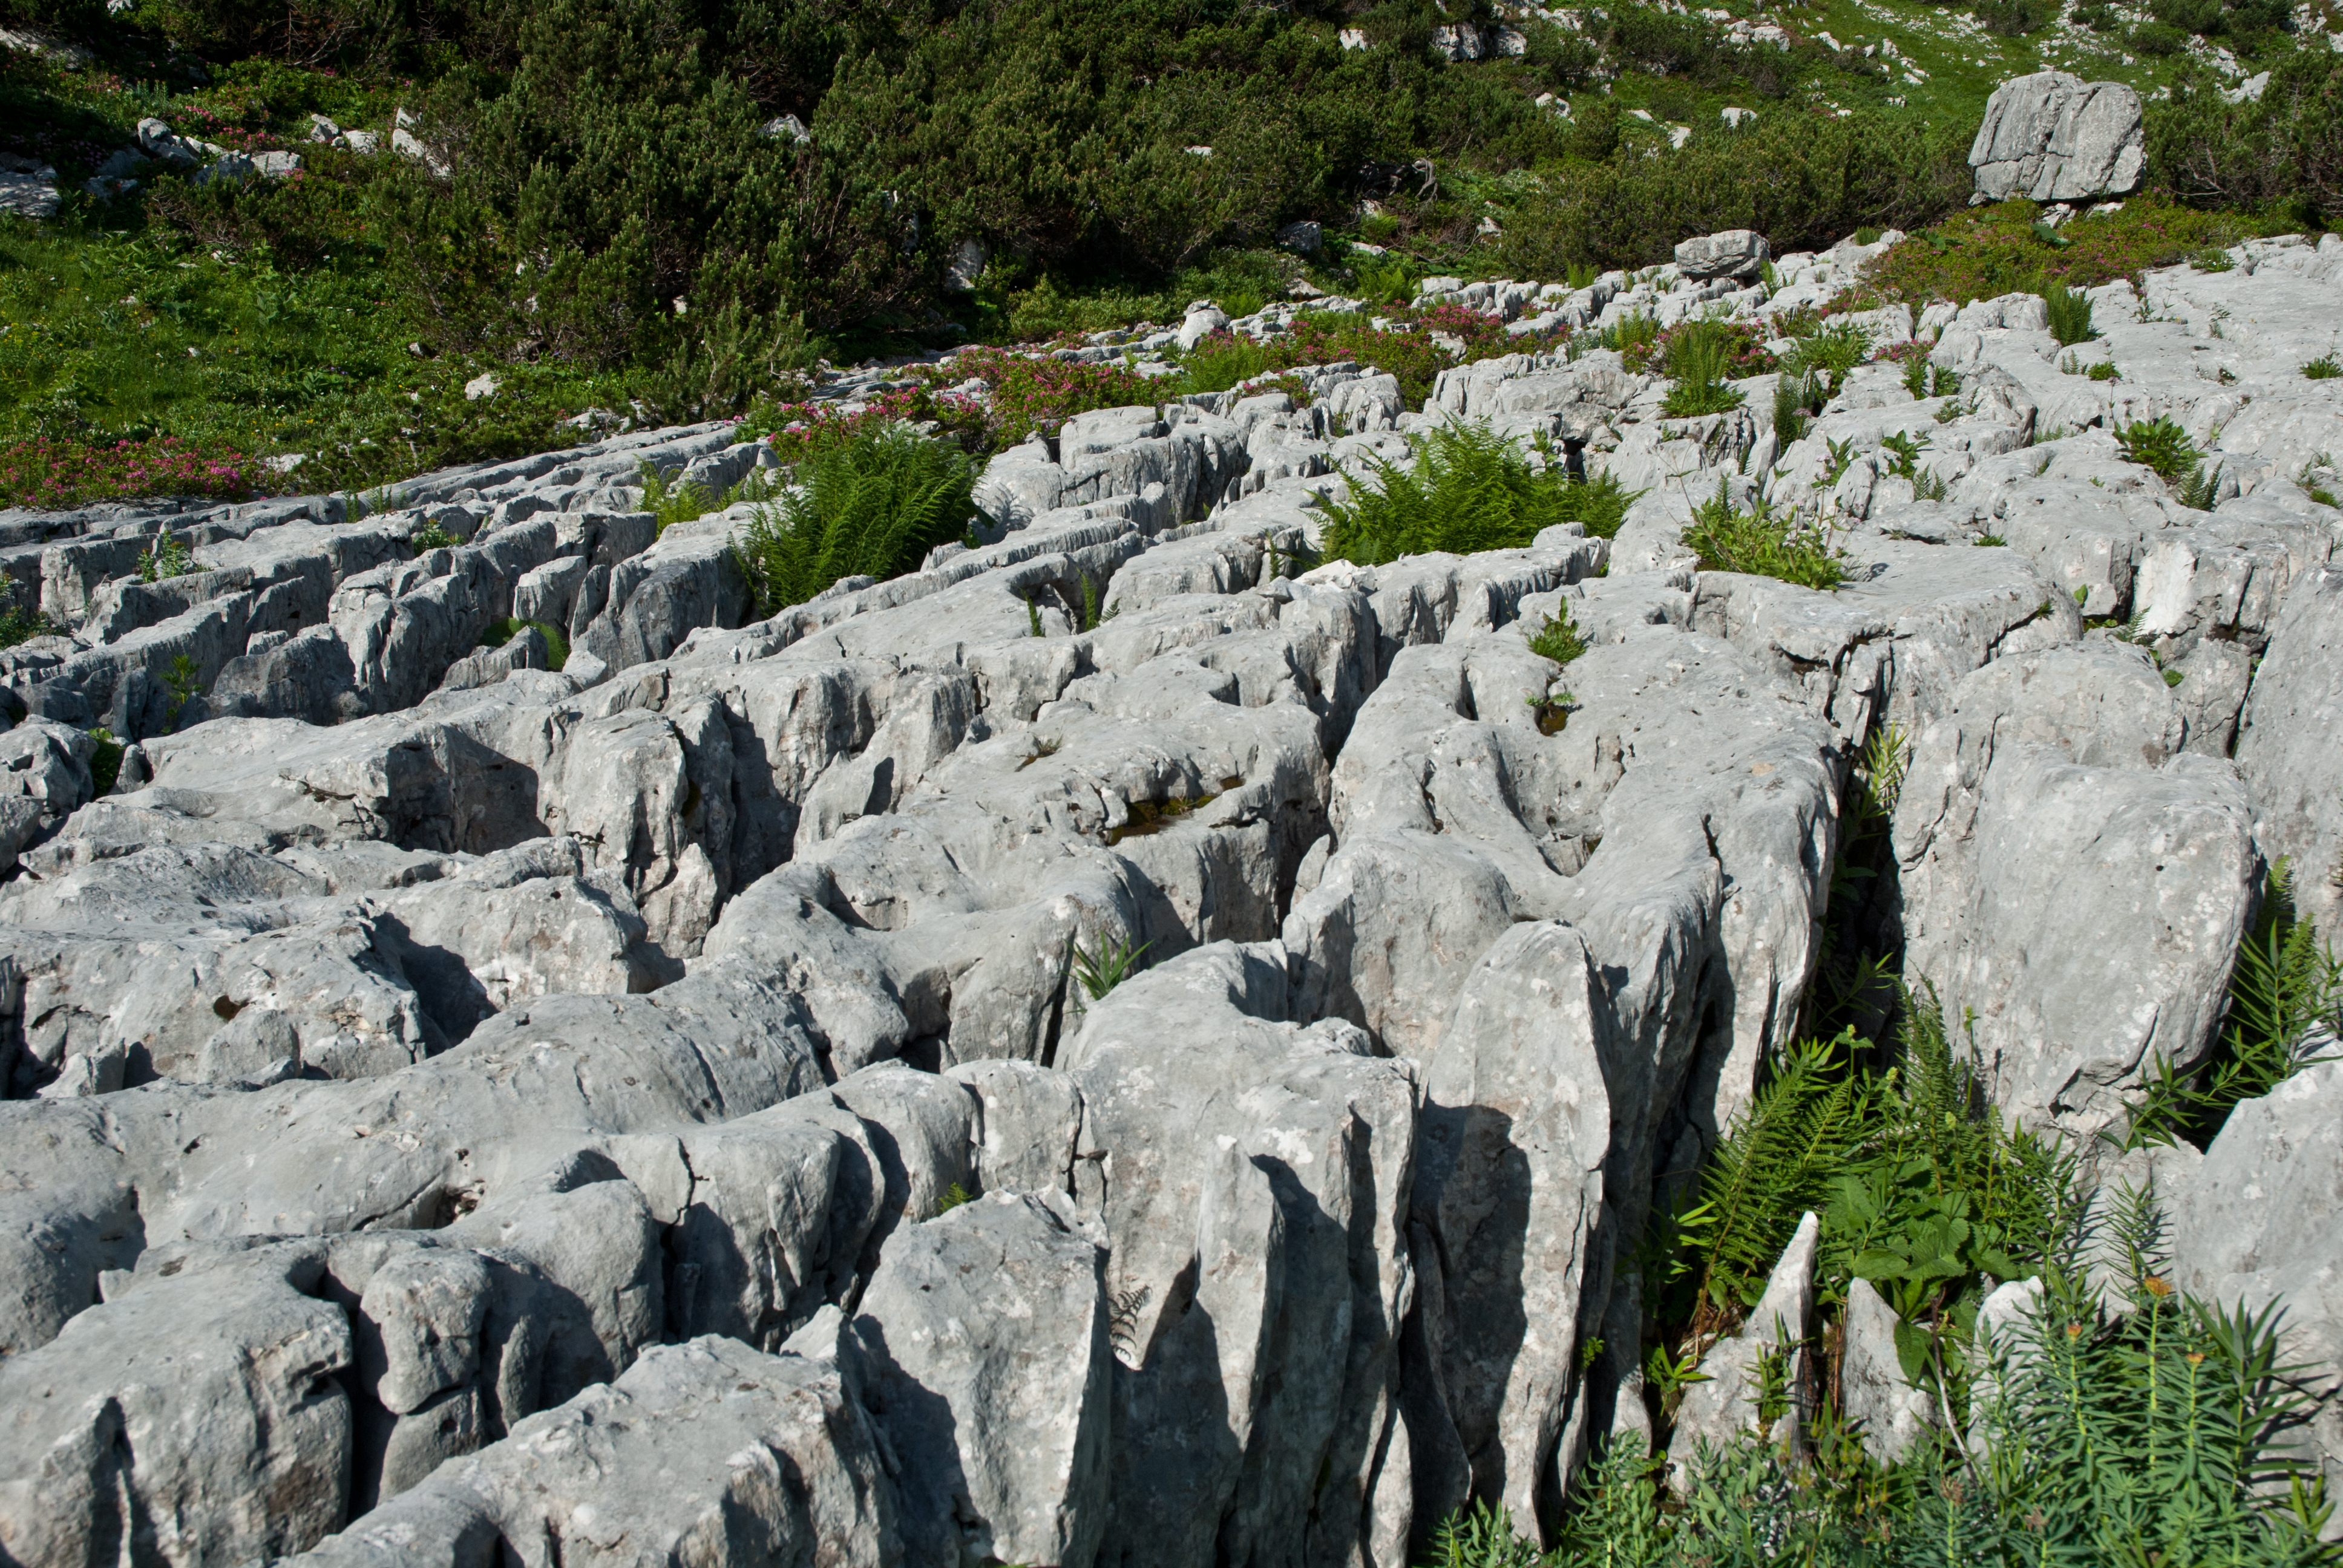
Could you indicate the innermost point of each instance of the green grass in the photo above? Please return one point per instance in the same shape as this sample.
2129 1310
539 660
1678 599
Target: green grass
1468 490
1988 251
2069 314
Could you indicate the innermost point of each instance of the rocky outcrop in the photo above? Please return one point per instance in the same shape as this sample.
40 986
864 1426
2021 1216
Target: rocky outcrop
2054 137
683 1103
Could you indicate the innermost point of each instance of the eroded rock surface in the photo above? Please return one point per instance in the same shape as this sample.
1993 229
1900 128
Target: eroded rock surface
671 1107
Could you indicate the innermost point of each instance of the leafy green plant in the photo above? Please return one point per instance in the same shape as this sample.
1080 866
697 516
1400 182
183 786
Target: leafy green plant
2286 991
20 622
1827 354
1764 544
185 682
1480 1536
168 557
1558 638
1222 360
2158 445
1469 488
1385 280
2198 490
953 1197
2212 258
1637 329
2069 313
1099 972
871 505
431 537
2326 367
669 503
500 632
1795 396
1904 451
106 762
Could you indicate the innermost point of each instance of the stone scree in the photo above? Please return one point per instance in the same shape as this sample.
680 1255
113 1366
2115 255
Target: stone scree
647 1111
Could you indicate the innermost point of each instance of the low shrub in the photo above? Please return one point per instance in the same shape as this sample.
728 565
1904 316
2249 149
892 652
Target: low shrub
1469 488
1220 361
2281 153
1988 251
2160 445
1558 638
21 622
871 505
69 473
1803 180
1826 353
1764 544
1031 394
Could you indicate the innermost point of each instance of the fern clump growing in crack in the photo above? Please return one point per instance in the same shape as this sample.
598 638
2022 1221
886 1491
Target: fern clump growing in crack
1469 488
871 505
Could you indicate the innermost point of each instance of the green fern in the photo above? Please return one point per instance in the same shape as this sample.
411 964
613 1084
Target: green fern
1469 488
870 507
1558 639
2285 1010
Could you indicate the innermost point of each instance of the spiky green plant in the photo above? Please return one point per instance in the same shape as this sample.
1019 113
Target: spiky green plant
1699 361
2069 314
431 537
1760 543
501 631
2285 1009
871 505
1558 638
669 502
19 622
1468 488
2326 367
1828 353
1100 971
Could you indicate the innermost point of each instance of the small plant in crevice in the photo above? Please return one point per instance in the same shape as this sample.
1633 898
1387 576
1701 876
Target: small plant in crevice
1828 354
953 1197
1100 971
2326 367
2159 445
1762 544
2198 488
499 632
185 682
1903 449
1796 398
2284 1013
872 504
168 557
106 762
1558 638
669 502
1033 616
431 537
2069 314
1469 488
21 622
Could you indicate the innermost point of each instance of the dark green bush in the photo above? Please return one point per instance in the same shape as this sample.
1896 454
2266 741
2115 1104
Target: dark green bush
1803 180
2283 151
871 505
1468 489
502 632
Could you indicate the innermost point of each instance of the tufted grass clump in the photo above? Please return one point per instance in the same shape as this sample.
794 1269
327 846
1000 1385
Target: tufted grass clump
1469 488
1700 356
1763 545
2069 311
1558 638
870 507
2326 367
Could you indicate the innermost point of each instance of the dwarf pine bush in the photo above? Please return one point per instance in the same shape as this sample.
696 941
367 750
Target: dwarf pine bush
871 505
1468 489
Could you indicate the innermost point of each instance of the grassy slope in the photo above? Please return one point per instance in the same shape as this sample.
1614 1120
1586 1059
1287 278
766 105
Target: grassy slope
116 324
